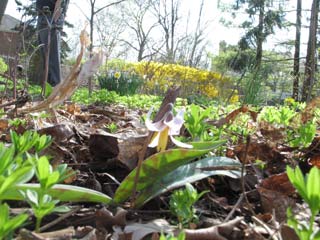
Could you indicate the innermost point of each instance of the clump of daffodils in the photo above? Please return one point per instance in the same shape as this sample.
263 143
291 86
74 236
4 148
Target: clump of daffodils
168 126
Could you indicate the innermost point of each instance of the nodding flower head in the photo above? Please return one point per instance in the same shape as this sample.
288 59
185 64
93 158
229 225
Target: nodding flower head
168 126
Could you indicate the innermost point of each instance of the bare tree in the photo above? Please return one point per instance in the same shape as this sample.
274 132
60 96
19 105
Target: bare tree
109 33
186 47
296 63
167 12
197 43
140 24
93 12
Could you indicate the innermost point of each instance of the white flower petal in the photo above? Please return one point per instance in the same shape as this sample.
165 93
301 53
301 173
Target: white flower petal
176 123
180 114
180 144
155 127
149 113
155 141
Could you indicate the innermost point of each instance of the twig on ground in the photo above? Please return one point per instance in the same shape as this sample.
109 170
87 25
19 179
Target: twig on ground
266 227
234 208
59 219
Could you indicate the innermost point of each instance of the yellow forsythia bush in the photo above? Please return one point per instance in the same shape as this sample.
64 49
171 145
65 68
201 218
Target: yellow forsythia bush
159 77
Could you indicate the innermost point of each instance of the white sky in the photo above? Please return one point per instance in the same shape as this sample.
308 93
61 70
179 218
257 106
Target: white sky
216 31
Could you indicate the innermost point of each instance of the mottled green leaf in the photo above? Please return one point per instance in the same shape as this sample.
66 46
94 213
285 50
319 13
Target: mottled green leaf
158 165
187 174
59 191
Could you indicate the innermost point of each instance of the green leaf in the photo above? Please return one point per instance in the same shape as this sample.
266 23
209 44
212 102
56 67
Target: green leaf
43 142
6 156
16 177
62 209
317 236
297 179
64 172
52 179
14 139
32 196
4 214
43 170
313 191
48 90
59 191
207 145
9 225
157 166
187 174
14 223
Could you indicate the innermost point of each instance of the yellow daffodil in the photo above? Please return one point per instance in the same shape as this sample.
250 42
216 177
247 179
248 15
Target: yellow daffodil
117 75
168 126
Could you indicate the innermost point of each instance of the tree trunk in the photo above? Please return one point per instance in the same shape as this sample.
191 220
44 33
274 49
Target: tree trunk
90 82
311 52
296 63
3 6
260 36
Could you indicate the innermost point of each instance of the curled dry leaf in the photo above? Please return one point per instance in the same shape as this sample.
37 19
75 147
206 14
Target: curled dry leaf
257 150
269 131
232 116
274 193
4 124
312 153
84 37
308 113
66 88
105 218
279 183
103 146
59 132
73 108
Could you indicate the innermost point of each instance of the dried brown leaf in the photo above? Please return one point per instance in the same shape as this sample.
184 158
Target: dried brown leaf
308 113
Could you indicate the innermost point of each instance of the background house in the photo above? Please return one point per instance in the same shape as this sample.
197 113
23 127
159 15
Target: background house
9 38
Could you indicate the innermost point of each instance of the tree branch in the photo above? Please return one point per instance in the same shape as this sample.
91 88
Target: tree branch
109 5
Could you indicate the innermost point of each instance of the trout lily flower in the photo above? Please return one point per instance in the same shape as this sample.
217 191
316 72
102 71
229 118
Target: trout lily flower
168 126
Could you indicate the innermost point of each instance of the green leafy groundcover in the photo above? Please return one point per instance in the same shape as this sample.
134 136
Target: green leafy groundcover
160 164
187 174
